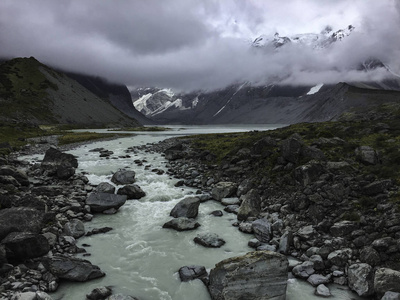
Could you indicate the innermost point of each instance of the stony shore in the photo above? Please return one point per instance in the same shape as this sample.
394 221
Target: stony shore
339 224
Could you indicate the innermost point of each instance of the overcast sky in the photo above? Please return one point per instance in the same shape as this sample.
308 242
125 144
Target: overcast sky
199 44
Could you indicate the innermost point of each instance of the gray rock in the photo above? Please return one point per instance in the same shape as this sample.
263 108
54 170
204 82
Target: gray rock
256 275
262 230
370 256
60 164
383 244
19 175
20 219
367 155
386 280
391 296
132 191
42 296
245 186
99 293
246 227
340 257
317 279
291 149
285 242
123 177
75 228
3 255
308 173
323 291
188 208
250 207
223 190
307 233
71 268
267 247
121 297
209 240
105 187
23 245
24 296
343 228
318 262
188 273
181 224
100 202
304 270
361 279
234 209
377 187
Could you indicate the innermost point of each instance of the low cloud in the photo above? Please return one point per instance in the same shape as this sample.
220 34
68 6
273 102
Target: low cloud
203 44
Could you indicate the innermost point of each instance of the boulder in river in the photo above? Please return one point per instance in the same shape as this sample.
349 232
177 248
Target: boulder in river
71 268
123 177
188 273
105 187
209 240
181 224
132 191
188 207
100 202
75 228
256 275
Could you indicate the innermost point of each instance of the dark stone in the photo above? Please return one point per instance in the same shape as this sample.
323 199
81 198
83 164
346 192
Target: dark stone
71 268
105 187
251 205
188 273
99 293
209 240
262 230
181 224
217 213
57 163
377 187
100 202
20 219
23 245
132 191
188 207
74 228
123 177
98 230
19 175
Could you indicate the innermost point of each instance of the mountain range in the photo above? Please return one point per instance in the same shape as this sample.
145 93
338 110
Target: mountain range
272 102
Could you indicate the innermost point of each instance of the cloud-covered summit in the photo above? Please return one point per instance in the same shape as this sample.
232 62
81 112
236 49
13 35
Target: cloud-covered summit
203 44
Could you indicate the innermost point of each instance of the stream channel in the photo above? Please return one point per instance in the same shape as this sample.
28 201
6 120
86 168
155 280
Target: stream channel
139 257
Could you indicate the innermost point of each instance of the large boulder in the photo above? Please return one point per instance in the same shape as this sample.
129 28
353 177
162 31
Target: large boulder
132 191
123 177
291 148
71 268
188 208
100 202
74 228
19 175
23 245
340 257
361 279
223 189
250 207
99 293
60 164
386 280
182 224
20 219
257 275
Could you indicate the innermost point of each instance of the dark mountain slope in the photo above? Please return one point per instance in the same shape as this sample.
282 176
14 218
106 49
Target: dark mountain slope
117 94
31 92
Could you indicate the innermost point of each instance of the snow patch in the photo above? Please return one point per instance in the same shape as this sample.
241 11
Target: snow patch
315 89
141 104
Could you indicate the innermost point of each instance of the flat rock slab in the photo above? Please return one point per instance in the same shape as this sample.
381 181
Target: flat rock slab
100 202
71 268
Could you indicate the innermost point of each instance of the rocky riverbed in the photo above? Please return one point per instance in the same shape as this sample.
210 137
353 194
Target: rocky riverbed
340 223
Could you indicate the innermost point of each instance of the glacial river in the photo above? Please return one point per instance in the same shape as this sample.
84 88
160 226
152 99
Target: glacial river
141 258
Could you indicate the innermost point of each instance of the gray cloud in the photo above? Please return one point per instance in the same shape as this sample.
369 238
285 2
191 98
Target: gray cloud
203 44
